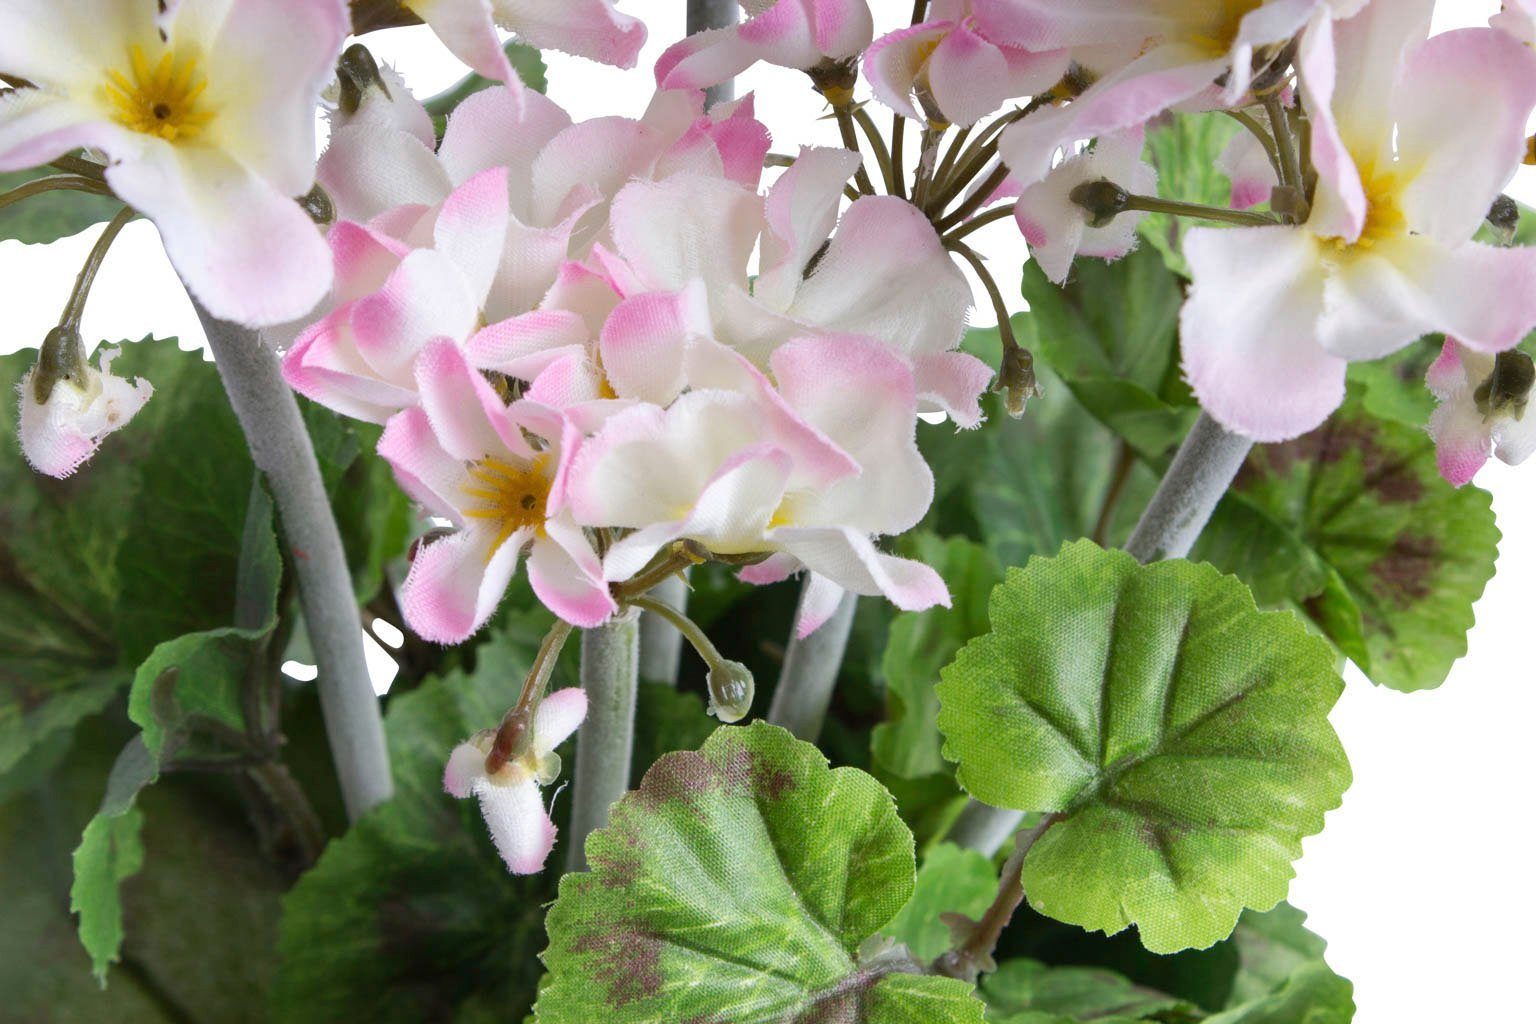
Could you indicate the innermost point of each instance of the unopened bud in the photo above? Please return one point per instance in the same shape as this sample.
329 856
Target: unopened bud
731 689
358 72
1504 218
317 203
1016 380
1507 390
1103 200
62 357
512 740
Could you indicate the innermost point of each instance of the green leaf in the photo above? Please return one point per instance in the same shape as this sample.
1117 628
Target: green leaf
1393 388
1111 333
52 215
740 883
1029 992
411 915
666 719
110 851
1181 734
1313 995
1353 525
951 881
1185 149
919 644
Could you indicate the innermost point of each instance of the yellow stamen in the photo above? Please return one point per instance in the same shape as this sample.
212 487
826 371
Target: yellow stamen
163 99
510 496
1220 30
1384 218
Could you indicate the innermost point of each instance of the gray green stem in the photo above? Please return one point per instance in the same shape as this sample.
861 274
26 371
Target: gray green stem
610 663
281 448
704 15
661 645
811 665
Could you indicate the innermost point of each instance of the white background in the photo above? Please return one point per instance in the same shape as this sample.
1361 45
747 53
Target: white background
1422 882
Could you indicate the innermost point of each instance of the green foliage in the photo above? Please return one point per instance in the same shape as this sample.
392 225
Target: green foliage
1111 334
1180 734
805 862
109 852
951 881
1353 525
921 643
526 61
1029 992
50 216
1185 148
412 915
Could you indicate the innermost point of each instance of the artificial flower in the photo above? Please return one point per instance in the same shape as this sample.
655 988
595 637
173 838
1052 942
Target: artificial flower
586 28
62 429
787 33
1483 410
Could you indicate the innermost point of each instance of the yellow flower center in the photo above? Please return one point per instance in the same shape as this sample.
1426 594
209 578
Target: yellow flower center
512 497
1384 218
163 99
1220 28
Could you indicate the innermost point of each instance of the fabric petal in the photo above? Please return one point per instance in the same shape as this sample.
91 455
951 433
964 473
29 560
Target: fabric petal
456 582
818 603
850 560
465 768
38 126
586 28
559 715
567 576
1463 441
468 28
424 470
519 825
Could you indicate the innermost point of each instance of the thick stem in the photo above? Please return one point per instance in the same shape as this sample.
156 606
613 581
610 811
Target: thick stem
974 955
1204 467
810 671
984 827
661 645
281 448
704 15
1153 204
610 663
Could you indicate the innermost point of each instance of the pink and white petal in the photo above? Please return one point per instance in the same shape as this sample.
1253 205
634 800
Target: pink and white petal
248 253
1246 163
1050 24
464 770
499 128
1387 296
323 365
586 28
685 228
1463 440
584 291
567 576
530 264
1446 375
467 415
1339 203
523 346
600 154
273 58
559 715
842 28
1269 22
1372 49
1051 223
1031 72
776 568
425 471
969 76
468 28
818 603
38 126
1515 440
67 429
569 380
893 62
471 228
742 142
1462 108
519 825
64 47
705 59
455 583
801 211
363 260
368 169
887 275
425 298
1518 19
1249 331
850 559
954 383
1152 83
645 342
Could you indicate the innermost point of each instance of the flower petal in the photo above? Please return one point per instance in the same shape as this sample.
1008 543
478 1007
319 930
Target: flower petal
519 825
849 559
586 28
567 576
468 416
464 770
559 715
455 583
424 470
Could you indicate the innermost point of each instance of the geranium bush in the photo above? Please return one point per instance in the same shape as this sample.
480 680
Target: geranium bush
1037 732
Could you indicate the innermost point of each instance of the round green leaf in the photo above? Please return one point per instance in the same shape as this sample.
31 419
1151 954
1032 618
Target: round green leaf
1181 734
739 884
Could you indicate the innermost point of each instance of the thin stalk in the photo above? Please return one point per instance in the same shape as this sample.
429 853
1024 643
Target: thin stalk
1153 204
704 15
980 221
977 199
281 448
1285 144
877 146
898 156
974 954
610 664
1266 140
661 644
74 309
52 183
923 182
291 803
510 739
1204 467
844 117
951 156
919 11
1125 461
982 150
82 167
811 665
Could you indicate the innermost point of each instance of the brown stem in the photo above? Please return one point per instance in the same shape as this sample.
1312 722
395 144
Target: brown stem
877 146
844 117
1124 463
975 223
974 953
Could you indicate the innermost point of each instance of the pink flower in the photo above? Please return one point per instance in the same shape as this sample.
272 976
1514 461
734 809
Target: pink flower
206 115
1518 18
497 472
788 33
586 28
811 470
510 799
1156 54
1480 413
62 431
949 64
1059 230
1412 141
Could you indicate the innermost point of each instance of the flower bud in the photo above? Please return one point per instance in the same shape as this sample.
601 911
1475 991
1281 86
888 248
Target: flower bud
1507 390
731 689
1504 218
1103 200
69 406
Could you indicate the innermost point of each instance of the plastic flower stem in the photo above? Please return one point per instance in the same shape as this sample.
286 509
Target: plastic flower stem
75 308
1152 204
877 146
281 448
610 663
1204 467
898 166
704 15
811 665
1266 140
979 221
661 645
977 200
682 625
843 113
951 156
52 183
1290 165
974 954
511 735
